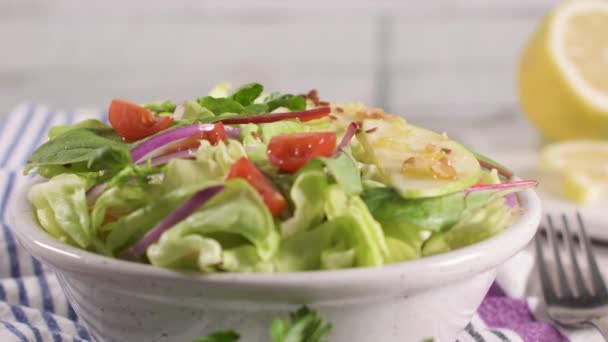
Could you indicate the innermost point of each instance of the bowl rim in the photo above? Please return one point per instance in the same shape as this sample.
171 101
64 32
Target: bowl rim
456 264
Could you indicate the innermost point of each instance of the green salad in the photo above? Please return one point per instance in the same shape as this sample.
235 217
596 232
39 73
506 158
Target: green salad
247 181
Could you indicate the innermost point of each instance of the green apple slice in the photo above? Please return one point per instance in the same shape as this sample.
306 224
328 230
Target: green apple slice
417 162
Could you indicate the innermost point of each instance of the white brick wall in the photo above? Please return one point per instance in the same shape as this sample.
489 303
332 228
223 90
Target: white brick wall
423 58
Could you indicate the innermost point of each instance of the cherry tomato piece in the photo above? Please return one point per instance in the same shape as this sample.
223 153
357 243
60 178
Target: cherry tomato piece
134 122
289 152
244 168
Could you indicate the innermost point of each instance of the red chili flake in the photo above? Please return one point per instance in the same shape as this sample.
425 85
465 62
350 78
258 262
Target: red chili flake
371 130
256 136
323 103
446 150
339 110
332 118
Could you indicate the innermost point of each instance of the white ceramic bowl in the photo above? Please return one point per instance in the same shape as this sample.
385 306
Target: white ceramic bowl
124 301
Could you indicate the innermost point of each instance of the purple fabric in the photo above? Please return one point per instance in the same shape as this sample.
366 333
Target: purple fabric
499 311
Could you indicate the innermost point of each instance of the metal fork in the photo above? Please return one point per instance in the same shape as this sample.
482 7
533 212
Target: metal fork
572 304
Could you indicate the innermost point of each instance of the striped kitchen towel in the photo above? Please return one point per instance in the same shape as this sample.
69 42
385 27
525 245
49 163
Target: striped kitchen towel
34 308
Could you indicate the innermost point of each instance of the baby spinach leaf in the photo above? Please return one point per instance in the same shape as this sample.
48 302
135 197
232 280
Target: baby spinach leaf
247 93
80 150
221 105
90 123
292 102
433 213
257 108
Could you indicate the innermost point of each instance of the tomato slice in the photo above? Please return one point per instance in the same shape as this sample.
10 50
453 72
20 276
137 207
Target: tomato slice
244 168
134 122
289 152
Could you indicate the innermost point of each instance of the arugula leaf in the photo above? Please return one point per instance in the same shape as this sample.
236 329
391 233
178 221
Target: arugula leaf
80 150
160 106
220 336
247 93
292 102
221 105
304 325
90 123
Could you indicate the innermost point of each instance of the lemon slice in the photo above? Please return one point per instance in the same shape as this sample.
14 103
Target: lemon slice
563 74
590 156
582 167
582 187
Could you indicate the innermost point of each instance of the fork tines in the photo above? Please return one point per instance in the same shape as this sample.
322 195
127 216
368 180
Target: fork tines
584 291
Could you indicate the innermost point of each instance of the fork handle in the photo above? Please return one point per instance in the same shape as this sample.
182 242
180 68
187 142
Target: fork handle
602 325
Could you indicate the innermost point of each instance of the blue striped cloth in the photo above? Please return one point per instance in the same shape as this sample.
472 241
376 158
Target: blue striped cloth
32 304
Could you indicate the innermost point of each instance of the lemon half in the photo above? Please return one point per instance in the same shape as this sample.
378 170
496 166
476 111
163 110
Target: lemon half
563 73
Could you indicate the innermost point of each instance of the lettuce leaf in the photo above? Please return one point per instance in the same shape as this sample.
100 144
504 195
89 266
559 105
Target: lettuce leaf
303 250
307 196
118 201
344 172
356 227
256 149
475 226
212 164
271 129
195 112
244 258
237 210
130 228
61 209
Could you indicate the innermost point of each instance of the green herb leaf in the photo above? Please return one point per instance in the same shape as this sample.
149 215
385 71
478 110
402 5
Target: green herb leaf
134 173
256 108
303 325
221 105
160 106
80 150
220 336
292 102
90 123
247 93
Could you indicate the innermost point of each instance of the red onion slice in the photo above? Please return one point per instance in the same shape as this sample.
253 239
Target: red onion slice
503 186
141 151
512 201
348 136
94 192
306 115
165 158
175 217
